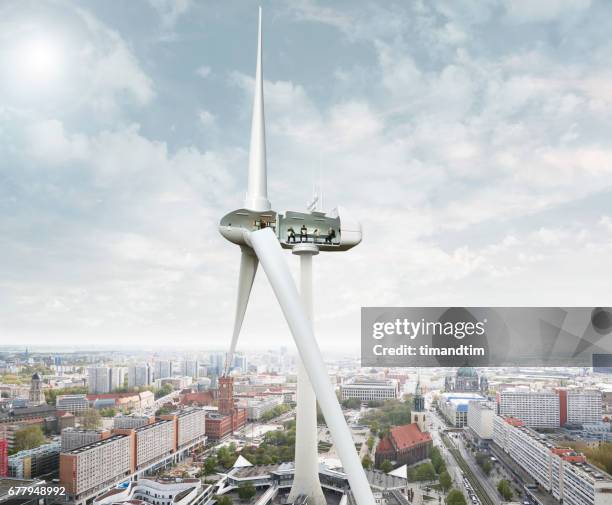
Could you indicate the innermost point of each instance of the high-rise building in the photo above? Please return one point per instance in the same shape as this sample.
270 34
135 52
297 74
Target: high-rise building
140 375
98 379
93 468
77 437
480 417
154 441
34 462
240 362
190 426
163 369
551 409
131 421
117 377
561 471
190 368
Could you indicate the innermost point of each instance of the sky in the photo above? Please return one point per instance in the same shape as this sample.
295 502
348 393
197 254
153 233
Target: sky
471 139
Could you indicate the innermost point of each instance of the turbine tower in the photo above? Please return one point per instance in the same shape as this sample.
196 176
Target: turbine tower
262 233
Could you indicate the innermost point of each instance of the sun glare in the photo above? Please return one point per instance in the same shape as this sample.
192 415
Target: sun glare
39 60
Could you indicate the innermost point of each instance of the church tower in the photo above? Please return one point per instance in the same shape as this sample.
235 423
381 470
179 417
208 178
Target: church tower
37 395
418 414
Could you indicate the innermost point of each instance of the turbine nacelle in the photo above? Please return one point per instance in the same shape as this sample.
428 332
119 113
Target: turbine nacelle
335 231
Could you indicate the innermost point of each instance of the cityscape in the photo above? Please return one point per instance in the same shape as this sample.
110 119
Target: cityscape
161 427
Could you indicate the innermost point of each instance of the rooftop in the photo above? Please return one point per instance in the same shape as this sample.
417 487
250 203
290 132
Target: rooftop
98 443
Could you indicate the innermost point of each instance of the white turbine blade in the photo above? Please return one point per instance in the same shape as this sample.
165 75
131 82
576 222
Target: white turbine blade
248 269
257 194
269 253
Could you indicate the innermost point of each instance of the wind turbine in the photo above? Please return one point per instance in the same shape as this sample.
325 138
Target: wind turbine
262 233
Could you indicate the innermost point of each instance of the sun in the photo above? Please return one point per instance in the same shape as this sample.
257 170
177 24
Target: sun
38 60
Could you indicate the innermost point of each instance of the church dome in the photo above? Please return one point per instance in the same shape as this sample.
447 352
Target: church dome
466 371
36 376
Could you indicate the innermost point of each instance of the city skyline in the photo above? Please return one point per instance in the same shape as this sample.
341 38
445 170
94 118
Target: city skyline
110 201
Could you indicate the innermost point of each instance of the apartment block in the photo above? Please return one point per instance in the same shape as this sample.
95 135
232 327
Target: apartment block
537 409
480 417
76 437
153 442
93 468
190 426
563 472
131 421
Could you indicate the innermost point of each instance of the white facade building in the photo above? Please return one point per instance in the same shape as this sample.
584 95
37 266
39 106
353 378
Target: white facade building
98 379
561 471
71 403
366 390
160 492
140 375
190 425
537 409
584 407
480 417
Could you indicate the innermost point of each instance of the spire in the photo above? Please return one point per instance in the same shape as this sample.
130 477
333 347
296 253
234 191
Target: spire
257 193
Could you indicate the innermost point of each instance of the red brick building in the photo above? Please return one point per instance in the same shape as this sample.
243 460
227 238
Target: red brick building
405 444
229 418
3 458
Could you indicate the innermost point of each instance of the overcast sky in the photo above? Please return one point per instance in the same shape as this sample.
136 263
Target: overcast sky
472 139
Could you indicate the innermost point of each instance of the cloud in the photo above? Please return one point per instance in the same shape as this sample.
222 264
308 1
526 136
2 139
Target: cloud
206 118
545 11
170 11
204 71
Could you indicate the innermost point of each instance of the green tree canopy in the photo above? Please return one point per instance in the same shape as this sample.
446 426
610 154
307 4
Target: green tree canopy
366 462
224 500
386 466
445 481
503 486
246 491
455 497
29 438
91 419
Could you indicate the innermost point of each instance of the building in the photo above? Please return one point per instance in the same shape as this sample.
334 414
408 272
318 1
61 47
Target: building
159 492
258 406
36 394
583 407
34 462
98 379
190 426
163 369
140 375
131 421
3 458
454 407
154 442
466 380
229 418
177 382
94 468
551 409
368 390
190 368
480 415
561 471
8 486
418 414
404 445
117 378
77 437
71 403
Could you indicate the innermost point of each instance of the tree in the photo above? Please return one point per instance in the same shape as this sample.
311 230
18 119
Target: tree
210 465
370 442
224 500
503 486
425 472
455 497
246 491
366 462
487 467
445 481
29 438
91 419
351 403
386 466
